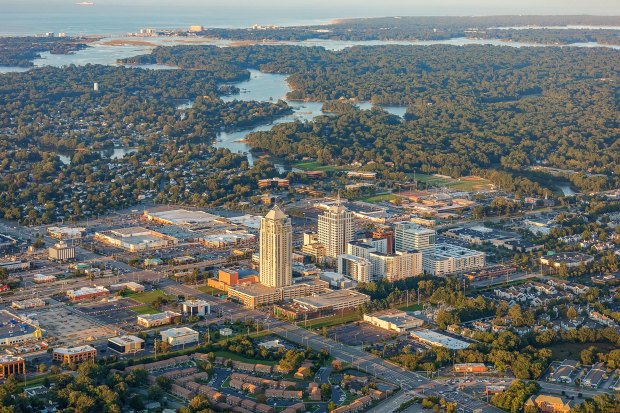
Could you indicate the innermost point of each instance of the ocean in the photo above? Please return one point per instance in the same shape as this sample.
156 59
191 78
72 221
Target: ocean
107 17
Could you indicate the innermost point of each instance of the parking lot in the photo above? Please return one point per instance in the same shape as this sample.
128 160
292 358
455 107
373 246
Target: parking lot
357 334
69 327
114 313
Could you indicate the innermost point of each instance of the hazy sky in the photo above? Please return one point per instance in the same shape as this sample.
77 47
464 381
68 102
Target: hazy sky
22 17
354 7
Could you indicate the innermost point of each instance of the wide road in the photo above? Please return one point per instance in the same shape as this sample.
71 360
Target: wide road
371 364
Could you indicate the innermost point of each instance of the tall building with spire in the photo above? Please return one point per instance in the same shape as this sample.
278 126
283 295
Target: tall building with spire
276 249
336 229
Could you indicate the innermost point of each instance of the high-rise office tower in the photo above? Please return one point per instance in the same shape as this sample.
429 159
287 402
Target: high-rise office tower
276 249
335 229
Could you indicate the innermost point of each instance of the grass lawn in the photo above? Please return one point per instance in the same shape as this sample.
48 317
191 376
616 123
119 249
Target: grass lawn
379 198
210 290
238 357
330 321
572 350
411 307
150 296
144 309
315 166
466 183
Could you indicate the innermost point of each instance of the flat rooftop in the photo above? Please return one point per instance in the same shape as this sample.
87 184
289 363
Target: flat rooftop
123 340
14 326
182 217
159 316
331 298
438 339
396 317
179 332
74 350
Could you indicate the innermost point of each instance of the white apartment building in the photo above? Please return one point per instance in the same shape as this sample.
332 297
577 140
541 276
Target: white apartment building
396 266
410 236
354 267
276 249
450 259
335 230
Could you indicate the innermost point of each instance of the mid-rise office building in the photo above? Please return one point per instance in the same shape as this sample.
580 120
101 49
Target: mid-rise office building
410 236
61 252
276 249
335 229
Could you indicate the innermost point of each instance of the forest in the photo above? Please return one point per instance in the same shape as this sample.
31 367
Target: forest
53 110
21 51
467 107
436 28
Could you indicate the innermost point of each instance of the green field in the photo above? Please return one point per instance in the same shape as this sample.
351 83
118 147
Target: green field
237 357
144 309
150 296
411 307
571 350
210 290
147 299
330 321
315 166
463 184
379 198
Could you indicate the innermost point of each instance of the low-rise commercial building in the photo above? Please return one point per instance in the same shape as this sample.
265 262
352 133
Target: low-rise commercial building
158 319
434 338
180 336
134 287
87 293
470 368
74 354
549 404
11 365
393 320
135 239
15 265
196 308
43 279
27 304
17 330
126 344
332 300
258 295
66 232
567 259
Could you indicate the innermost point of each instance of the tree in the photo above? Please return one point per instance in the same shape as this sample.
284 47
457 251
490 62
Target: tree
571 313
326 390
331 406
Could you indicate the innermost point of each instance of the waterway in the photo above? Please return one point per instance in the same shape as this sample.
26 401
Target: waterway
260 87
110 153
104 53
267 87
